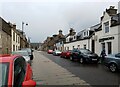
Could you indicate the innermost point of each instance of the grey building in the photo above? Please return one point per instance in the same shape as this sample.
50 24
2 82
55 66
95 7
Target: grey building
5 37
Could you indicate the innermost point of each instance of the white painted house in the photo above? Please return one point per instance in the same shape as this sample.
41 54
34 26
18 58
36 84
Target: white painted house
15 39
108 35
83 40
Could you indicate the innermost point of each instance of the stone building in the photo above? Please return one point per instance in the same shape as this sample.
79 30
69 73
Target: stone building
50 42
5 37
15 38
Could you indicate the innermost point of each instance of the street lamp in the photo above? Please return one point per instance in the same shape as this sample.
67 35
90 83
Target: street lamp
23 32
23 26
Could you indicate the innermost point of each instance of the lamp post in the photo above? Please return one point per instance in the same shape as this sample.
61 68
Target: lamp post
23 33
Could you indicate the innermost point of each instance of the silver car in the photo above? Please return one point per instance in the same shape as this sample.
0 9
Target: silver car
113 62
25 54
57 53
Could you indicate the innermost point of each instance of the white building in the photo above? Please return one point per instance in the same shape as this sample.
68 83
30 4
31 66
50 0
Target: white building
108 35
83 40
15 39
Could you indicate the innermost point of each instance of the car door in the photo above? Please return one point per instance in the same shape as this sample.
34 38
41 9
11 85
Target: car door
19 71
117 59
76 53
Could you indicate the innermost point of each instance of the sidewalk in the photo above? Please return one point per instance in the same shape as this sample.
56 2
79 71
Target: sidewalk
46 72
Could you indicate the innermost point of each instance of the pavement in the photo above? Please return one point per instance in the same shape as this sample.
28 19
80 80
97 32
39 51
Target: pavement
50 73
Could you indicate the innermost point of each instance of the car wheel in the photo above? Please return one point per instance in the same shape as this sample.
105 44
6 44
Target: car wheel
113 67
71 58
81 60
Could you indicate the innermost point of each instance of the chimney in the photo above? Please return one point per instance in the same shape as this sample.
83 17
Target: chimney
111 10
14 26
60 31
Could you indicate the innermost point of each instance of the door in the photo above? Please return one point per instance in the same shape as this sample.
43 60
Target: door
93 46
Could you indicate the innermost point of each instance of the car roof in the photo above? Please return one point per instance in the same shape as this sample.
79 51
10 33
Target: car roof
8 58
21 51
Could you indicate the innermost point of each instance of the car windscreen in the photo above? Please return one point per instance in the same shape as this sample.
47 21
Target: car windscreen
86 51
4 67
28 50
22 53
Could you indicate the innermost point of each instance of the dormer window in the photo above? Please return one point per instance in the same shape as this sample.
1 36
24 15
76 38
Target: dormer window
106 27
84 33
74 37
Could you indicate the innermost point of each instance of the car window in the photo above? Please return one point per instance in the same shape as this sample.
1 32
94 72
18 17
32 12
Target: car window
118 55
22 53
4 67
86 51
19 71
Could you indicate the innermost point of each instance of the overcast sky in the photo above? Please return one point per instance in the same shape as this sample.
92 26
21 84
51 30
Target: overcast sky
46 17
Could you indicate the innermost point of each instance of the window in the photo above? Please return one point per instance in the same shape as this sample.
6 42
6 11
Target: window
87 33
16 47
13 36
84 46
13 47
67 48
73 47
19 71
106 27
84 33
109 48
16 38
117 55
74 37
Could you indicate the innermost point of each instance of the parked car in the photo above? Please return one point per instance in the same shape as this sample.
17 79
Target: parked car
84 56
30 52
50 51
113 62
66 54
56 53
15 71
22 53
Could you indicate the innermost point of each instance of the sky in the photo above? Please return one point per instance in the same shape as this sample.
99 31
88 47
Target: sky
47 17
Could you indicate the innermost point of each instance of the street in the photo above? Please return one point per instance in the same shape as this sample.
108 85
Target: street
53 70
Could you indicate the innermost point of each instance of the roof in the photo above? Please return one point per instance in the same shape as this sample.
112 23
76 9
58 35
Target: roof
95 27
115 20
7 58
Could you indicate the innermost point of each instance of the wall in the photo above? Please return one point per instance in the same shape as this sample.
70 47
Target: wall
75 44
113 32
16 43
6 43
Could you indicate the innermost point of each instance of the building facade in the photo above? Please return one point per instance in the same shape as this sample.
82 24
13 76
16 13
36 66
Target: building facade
108 37
51 42
15 38
5 37
84 39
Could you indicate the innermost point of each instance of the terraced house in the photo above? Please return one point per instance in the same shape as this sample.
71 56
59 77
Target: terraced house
5 37
108 35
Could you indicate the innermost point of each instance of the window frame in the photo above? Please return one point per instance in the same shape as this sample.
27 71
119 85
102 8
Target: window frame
106 27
